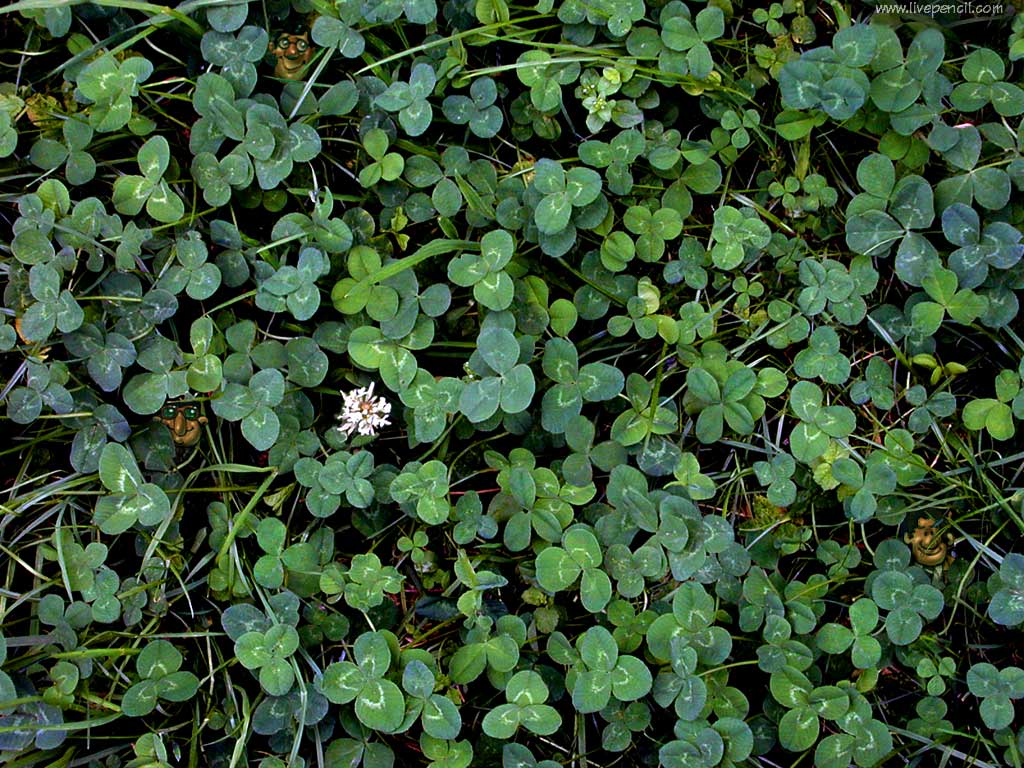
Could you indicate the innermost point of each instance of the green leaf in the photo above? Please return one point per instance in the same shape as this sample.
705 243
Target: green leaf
380 705
799 729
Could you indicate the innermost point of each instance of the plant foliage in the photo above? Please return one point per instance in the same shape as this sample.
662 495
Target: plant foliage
563 383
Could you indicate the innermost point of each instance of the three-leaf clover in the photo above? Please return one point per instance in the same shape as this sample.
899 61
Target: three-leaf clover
823 358
427 486
132 499
800 725
432 401
252 405
691 37
997 688
818 423
962 306
593 382
984 71
721 404
54 307
294 287
526 693
386 165
477 110
49 154
379 703
270 652
198 277
159 666
410 99
510 389
485 272
132 192
580 555
653 229
482 650
562 192
1007 589
908 604
438 713
603 673
865 649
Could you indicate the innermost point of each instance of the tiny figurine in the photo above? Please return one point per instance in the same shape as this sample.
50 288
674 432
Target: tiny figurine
292 49
184 421
928 549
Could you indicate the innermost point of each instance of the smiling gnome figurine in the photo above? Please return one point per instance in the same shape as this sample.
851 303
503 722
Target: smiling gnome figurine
293 49
184 420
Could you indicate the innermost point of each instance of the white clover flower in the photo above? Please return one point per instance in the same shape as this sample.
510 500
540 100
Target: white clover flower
363 413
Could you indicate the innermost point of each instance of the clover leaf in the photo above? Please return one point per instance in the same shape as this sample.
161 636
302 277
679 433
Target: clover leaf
962 306
220 117
109 86
890 211
379 703
159 666
603 673
356 292
777 474
270 652
106 355
132 192
54 307
410 99
427 485
961 147
908 605
511 388
689 625
983 71
439 715
432 401
691 37
997 689
253 404
643 417
294 287
1007 590
818 423
93 432
877 480
526 693
236 55
492 285
800 726
737 235
49 154
367 580
482 650
979 248
132 499
331 32
386 165
573 385
558 567
562 192
721 404
865 649
477 110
